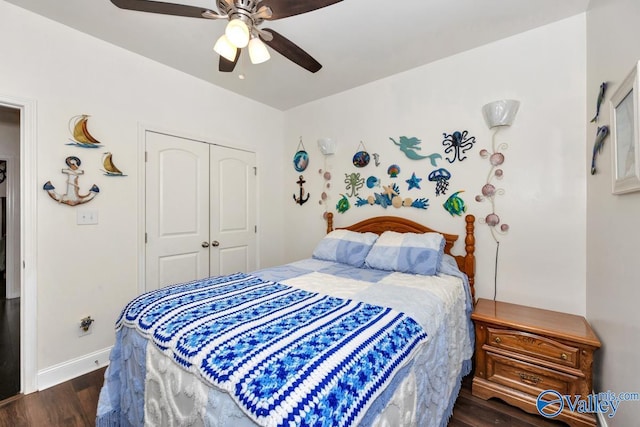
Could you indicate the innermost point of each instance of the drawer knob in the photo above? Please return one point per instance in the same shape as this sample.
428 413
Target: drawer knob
498 340
563 356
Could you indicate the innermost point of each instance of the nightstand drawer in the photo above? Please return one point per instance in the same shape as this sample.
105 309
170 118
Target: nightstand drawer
533 345
525 377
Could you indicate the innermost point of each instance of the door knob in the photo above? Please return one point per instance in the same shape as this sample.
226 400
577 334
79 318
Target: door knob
215 243
205 244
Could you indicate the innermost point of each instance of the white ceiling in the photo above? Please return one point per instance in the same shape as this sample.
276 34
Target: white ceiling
356 41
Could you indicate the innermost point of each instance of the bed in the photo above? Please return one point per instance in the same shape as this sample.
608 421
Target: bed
374 330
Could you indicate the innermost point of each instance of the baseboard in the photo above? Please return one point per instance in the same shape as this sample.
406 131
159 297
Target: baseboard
73 368
602 421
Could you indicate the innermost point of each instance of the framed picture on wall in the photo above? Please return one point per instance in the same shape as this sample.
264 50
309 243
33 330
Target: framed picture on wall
624 132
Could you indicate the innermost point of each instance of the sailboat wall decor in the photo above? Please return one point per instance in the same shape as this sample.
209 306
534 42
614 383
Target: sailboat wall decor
110 168
80 136
72 197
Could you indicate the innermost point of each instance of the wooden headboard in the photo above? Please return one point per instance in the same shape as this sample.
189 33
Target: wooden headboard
466 262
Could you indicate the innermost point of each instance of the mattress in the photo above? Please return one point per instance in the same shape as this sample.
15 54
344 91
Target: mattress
144 385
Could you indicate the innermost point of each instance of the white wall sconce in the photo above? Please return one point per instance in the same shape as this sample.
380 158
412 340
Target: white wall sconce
498 115
327 145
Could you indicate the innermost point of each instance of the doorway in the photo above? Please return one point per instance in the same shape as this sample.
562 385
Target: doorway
10 342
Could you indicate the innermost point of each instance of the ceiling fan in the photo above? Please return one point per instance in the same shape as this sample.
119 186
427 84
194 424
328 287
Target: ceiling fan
245 17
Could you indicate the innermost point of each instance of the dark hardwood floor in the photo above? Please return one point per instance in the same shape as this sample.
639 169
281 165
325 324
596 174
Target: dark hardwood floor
9 343
74 403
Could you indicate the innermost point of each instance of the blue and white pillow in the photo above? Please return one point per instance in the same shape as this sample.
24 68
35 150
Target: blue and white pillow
407 252
347 247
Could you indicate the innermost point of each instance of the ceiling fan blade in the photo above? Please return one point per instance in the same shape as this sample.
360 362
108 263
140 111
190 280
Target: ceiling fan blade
165 8
284 8
227 66
291 51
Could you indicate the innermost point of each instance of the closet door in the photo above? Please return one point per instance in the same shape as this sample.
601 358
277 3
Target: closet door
233 211
200 210
177 210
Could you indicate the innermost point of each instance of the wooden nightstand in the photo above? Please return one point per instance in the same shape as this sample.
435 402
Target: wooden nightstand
523 351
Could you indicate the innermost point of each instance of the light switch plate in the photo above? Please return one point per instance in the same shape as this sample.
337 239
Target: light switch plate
87 217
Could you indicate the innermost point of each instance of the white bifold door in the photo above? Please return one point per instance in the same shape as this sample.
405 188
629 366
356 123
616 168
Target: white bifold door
200 210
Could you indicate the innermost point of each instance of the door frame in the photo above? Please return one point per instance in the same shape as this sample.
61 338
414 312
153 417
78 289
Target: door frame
143 128
28 241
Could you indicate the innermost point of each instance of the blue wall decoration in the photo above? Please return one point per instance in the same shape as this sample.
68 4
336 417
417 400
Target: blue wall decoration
301 158
601 135
455 205
409 146
391 197
441 178
457 144
414 181
373 181
361 158
601 92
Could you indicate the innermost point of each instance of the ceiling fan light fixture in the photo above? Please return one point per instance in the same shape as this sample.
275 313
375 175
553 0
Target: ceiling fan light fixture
237 32
224 48
258 52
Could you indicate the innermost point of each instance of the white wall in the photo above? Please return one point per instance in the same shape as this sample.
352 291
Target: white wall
92 270
542 261
613 233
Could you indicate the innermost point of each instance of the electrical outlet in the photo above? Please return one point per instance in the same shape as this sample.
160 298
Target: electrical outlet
87 217
85 326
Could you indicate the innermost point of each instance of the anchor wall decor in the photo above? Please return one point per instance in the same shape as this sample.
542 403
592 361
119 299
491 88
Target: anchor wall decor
301 200
72 197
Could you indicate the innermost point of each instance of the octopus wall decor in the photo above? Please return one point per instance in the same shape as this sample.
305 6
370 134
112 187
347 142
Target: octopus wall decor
457 144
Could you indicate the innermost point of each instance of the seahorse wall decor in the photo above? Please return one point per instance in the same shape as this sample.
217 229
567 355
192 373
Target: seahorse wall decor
72 197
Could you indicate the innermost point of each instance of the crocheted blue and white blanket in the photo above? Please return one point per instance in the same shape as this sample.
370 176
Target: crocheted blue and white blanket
286 355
